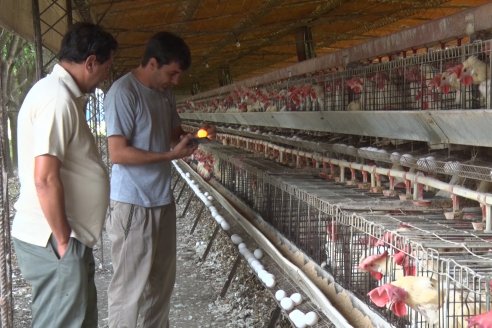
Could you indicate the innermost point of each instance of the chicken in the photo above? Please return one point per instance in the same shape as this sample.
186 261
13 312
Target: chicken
474 71
356 86
450 82
426 296
419 293
483 320
477 72
376 265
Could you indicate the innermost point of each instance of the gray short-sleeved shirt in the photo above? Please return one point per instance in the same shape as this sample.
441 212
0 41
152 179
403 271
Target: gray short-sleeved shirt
146 118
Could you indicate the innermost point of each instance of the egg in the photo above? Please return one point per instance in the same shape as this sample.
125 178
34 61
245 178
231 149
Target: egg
280 294
298 318
286 304
241 245
311 318
205 193
219 218
225 226
269 282
258 253
210 197
296 298
236 239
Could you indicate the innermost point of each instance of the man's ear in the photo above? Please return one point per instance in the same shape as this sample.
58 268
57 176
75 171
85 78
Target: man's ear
153 64
90 63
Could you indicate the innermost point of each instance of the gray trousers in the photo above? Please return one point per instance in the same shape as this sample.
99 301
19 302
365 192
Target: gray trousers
63 290
143 252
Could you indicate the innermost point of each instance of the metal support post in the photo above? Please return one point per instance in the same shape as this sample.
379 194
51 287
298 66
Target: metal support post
231 275
176 183
209 246
181 191
274 317
192 196
200 211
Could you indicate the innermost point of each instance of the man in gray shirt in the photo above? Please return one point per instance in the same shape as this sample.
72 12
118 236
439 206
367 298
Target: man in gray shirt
144 136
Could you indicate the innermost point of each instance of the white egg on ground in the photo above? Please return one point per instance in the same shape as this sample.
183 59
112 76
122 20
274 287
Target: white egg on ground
258 253
296 298
279 294
210 197
241 245
298 318
311 318
206 193
286 304
236 239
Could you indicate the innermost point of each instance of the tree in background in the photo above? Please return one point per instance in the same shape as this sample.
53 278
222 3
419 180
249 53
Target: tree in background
17 74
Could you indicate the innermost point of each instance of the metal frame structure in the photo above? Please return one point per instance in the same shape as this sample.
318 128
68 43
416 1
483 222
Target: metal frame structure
338 227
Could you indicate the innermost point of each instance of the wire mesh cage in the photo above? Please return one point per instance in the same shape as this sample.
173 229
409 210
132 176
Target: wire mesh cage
454 78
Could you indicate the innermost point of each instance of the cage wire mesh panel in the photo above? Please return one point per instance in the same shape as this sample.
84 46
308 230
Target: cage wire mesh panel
452 78
96 120
365 240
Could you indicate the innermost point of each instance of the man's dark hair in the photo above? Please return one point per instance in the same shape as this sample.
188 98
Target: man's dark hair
85 39
166 48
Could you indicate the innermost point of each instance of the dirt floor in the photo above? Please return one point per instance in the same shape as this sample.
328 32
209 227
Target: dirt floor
196 301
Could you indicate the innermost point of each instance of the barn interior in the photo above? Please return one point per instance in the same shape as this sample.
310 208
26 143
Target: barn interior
353 139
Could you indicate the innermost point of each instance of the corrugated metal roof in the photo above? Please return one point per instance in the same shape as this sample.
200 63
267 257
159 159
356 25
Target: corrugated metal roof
265 30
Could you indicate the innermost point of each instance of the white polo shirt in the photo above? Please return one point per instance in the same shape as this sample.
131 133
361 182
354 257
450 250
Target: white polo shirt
52 121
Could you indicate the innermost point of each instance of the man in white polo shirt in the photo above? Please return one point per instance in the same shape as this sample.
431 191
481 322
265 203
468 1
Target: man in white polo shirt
64 184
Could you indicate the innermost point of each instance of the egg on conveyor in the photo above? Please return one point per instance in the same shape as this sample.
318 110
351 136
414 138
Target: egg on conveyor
224 225
236 239
280 294
297 317
258 253
286 304
311 318
296 298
